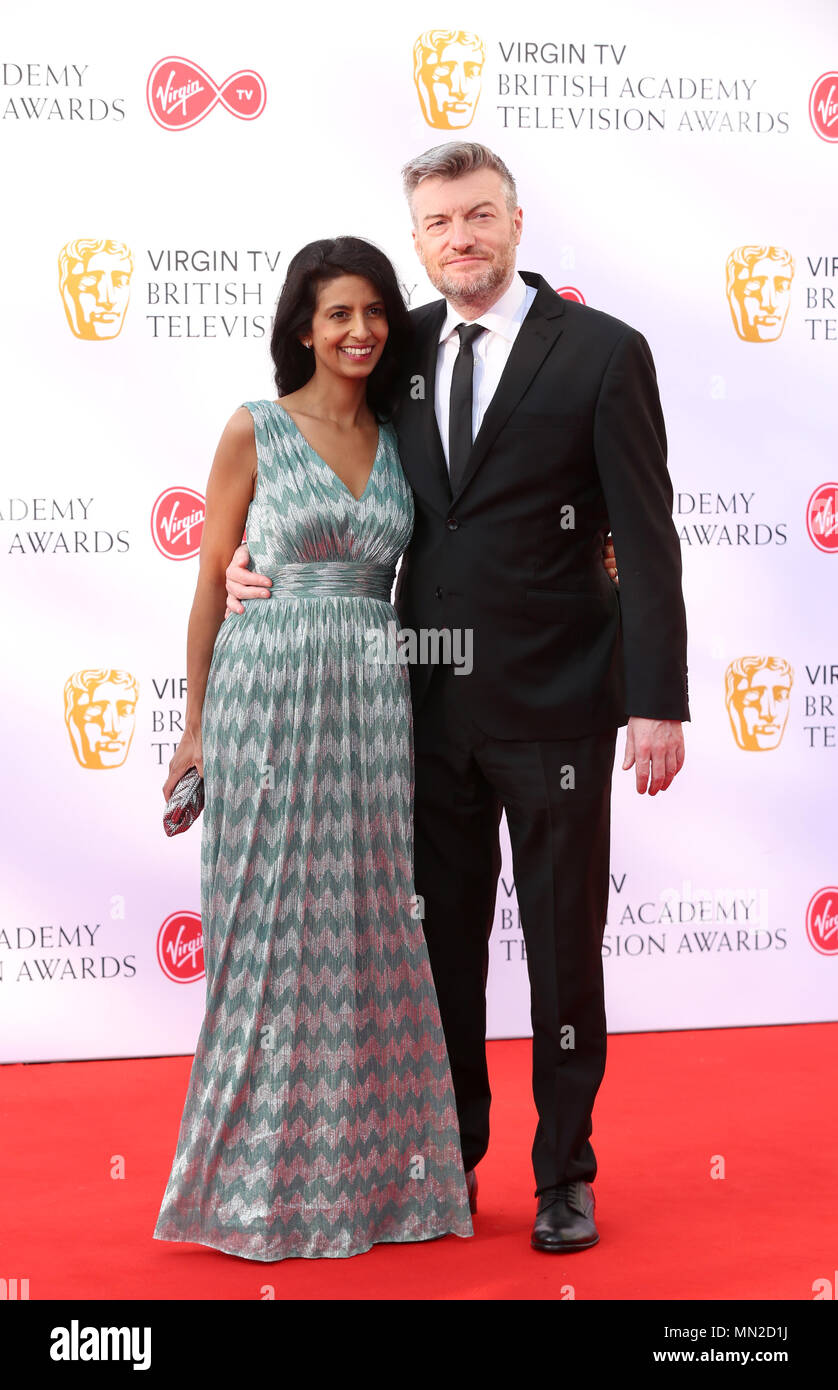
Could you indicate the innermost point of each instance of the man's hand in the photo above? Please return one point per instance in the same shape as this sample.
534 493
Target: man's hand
655 748
244 583
609 560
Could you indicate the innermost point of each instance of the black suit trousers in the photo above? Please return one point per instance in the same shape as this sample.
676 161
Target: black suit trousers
556 795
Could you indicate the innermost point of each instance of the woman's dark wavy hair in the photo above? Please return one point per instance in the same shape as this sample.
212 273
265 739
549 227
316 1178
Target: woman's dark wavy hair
313 266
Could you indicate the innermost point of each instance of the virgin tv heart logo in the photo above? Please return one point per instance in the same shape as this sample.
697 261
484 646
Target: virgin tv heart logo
180 948
180 94
177 522
823 107
822 518
822 921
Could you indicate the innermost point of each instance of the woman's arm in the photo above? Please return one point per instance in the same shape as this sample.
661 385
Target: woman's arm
229 493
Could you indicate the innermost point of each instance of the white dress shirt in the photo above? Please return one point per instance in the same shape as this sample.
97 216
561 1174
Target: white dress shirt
491 351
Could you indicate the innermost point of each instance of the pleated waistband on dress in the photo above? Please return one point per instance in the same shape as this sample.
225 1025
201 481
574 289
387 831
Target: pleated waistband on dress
333 579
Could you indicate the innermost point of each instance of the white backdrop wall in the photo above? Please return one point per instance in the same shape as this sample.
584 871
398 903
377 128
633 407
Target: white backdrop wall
647 150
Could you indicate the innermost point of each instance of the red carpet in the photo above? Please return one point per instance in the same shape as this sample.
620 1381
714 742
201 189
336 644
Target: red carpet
761 1098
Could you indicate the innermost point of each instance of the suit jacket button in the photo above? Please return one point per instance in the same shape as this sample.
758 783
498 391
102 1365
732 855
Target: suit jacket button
452 523
437 593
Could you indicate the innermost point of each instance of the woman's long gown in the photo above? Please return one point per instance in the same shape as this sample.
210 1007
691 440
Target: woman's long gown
320 1114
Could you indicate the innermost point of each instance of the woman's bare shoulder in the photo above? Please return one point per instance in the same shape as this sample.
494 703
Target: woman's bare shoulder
239 433
237 445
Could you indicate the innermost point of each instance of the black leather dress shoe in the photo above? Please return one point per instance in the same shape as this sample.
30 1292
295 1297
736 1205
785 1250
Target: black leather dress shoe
471 1187
565 1219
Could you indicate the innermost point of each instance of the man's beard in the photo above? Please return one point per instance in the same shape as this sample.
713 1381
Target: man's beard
478 285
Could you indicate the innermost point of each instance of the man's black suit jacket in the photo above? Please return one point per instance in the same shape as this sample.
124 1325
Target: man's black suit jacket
571 444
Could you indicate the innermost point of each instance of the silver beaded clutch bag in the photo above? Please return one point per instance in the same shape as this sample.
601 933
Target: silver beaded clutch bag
185 803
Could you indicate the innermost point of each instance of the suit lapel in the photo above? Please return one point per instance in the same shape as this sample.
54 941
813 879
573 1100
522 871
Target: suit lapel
431 441
427 470
535 338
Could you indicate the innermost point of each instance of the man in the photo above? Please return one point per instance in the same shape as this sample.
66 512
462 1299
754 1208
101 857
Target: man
522 439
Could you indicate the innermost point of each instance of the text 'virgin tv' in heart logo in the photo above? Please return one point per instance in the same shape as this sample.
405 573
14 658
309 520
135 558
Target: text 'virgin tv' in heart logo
180 94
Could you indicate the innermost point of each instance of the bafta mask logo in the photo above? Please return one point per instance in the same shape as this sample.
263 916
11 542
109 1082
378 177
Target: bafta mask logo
94 278
447 64
757 690
758 291
99 711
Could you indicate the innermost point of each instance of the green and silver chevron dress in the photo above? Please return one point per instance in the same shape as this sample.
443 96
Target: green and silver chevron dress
320 1115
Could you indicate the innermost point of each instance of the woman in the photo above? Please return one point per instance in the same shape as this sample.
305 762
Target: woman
320 1115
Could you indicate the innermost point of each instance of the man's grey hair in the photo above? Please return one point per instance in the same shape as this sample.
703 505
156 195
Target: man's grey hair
451 160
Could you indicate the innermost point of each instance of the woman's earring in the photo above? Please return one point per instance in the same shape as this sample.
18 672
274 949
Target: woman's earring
308 342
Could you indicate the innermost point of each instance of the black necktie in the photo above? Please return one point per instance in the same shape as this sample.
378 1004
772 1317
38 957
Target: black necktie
460 409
